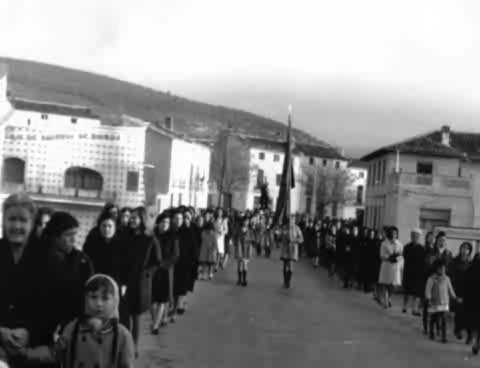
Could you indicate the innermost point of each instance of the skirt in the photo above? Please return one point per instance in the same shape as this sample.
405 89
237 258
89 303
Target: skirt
289 252
161 286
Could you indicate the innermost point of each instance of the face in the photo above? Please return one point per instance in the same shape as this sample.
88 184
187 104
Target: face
66 241
43 223
429 239
114 212
464 251
125 218
164 225
100 303
441 241
442 270
178 220
200 221
135 220
208 217
187 218
18 225
107 228
415 237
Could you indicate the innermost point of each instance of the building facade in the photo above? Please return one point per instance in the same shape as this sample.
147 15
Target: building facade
428 181
266 165
66 159
355 207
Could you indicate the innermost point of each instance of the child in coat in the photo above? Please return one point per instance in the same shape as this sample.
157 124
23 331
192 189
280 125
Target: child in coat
95 339
438 292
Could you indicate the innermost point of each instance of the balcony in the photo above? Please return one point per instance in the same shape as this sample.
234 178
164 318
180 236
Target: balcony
435 184
61 194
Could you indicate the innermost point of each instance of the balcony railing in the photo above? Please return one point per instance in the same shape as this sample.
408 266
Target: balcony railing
434 182
60 192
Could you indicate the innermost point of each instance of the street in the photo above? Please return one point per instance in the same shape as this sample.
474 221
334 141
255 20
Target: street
315 322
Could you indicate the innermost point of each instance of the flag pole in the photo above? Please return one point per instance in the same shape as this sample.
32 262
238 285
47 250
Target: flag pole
289 175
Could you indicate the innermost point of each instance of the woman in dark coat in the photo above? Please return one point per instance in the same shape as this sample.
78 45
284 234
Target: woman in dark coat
68 269
19 272
413 269
195 238
162 286
458 271
183 267
368 269
471 301
144 257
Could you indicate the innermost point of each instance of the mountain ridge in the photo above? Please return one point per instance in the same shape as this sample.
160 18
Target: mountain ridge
107 95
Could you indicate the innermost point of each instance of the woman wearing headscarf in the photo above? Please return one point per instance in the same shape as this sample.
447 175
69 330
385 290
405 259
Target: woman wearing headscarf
413 255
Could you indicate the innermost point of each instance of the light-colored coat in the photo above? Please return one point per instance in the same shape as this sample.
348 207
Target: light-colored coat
289 241
221 229
243 244
391 273
438 291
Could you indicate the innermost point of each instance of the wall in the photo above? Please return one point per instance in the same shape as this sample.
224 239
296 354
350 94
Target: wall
158 155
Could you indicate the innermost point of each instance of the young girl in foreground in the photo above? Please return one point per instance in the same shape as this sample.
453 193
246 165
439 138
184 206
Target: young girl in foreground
95 339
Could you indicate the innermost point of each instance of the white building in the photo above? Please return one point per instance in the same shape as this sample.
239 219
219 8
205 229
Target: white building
66 159
266 165
355 208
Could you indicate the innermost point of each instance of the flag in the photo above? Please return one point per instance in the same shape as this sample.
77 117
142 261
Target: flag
282 210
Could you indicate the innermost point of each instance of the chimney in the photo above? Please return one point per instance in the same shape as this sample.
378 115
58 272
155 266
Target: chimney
169 122
446 135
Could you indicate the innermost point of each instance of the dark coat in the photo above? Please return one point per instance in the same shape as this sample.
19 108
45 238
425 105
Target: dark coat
145 255
458 274
19 287
413 272
188 254
162 285
108 257
66 275
471 295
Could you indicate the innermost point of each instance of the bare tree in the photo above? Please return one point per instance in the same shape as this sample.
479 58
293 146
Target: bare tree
230 168
329 186
333 187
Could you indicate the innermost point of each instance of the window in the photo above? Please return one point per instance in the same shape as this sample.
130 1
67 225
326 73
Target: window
308 204
44 116
279 179
256 201
276 157
430 218
384 171
261 155
171 200
311 161
324 163
132 181
424 168
260 177
180 199
13 170
159 204
73 120
359 201
374 173
424 173
83 178
361 174
337 165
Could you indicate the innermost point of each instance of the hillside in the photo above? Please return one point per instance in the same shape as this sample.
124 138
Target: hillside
106 96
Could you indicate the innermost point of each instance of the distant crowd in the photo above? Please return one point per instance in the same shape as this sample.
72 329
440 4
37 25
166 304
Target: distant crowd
434 282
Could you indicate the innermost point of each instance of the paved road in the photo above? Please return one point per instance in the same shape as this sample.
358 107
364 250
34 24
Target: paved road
315 322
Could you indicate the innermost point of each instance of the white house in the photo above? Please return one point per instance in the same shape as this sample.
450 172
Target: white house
355 208
266 164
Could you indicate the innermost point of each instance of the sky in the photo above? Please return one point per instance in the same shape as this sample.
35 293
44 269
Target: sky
359 74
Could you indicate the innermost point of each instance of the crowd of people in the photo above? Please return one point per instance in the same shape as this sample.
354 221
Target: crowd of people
76 306
433 281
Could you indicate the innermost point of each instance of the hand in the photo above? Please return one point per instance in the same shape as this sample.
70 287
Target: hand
20 337
123 290
459 300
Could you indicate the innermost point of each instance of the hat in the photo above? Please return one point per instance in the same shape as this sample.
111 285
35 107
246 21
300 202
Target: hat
417 231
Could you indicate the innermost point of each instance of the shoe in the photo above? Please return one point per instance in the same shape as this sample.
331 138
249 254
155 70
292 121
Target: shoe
155 331
404 310
210 277
180 311
475 349
163 323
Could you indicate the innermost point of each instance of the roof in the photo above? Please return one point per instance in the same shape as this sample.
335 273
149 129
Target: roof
299 148
53 108
468 144
428 144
